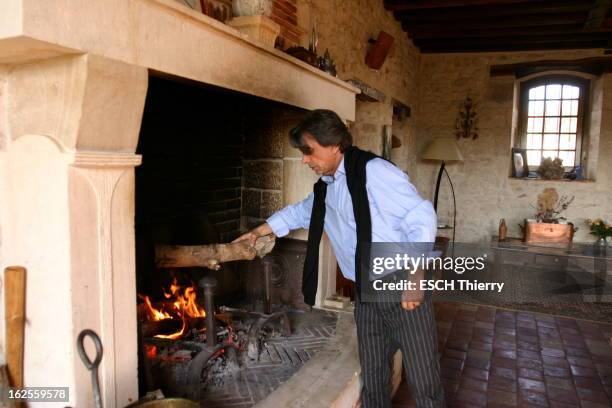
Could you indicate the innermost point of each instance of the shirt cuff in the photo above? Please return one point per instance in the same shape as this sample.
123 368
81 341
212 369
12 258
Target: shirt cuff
278 225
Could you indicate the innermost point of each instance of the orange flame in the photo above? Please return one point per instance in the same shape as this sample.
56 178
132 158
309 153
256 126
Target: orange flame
184 304
152 312
174 336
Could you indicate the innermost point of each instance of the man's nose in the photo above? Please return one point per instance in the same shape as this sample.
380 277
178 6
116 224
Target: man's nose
305 159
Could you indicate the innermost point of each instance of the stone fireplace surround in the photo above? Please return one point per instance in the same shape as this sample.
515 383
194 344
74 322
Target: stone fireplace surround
73 81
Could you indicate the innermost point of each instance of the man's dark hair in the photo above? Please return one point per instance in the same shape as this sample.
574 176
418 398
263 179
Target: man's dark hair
325 127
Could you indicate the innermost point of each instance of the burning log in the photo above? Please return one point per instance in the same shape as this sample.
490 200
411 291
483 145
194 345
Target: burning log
211 256
151 328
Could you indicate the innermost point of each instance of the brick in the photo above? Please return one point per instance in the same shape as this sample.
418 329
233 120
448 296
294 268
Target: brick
476 373
498 398
562 395
527 384
265 174
585 394
475 398
583 372
530 373
472 384
533 397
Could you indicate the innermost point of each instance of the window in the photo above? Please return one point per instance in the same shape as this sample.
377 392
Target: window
552 111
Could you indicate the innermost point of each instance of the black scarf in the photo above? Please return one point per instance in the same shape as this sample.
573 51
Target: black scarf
355 161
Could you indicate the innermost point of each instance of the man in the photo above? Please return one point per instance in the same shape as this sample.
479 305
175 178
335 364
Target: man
363 198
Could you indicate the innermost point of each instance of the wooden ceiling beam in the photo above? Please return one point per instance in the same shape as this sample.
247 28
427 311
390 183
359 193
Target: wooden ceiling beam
397 5
594 65
476 12
467 48
432 33
544 39
528 20
597 14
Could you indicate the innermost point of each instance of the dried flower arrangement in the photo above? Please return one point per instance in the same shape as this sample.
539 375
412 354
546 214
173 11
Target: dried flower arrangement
551 168
550 206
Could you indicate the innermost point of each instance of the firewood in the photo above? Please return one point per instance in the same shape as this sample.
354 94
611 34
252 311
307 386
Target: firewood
151 328
211 256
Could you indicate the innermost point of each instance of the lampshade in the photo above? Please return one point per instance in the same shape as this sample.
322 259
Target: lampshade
443 149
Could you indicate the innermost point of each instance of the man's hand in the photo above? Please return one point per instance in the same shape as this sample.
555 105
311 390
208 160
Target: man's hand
411 299
252 235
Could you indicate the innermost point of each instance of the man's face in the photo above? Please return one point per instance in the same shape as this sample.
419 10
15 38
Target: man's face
323 160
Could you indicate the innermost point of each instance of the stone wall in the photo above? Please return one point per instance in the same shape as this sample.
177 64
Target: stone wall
485 192
266 130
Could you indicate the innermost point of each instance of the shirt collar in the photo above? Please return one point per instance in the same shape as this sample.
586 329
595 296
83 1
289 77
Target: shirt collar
339 172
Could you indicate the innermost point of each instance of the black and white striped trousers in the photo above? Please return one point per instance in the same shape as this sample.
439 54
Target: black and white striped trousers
382 328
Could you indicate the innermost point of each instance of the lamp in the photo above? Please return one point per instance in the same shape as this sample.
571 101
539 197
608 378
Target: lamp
443 149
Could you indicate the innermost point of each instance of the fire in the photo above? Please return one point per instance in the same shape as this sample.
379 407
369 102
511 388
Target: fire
174 336
150 350
184 306
152 312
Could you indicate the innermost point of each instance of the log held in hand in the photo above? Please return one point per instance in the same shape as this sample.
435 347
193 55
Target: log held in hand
211 256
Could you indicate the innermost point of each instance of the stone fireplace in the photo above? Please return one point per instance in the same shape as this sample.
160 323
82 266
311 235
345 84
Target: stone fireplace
73 83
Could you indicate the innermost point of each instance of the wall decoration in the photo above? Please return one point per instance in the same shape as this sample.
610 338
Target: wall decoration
465 127
377 53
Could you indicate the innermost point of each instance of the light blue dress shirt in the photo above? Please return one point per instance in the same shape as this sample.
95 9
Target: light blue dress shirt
397 211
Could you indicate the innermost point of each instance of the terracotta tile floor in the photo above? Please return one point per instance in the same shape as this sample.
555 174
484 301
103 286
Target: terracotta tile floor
500 358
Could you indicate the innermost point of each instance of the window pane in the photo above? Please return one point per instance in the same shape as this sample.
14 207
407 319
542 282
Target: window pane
534 157
536 108
534 124
551 125
567 157
570 92
550 153
551 142
536 93
553 108
570 108
553 91
534 141
567 141
569 125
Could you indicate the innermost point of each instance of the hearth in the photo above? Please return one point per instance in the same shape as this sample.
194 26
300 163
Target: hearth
248 356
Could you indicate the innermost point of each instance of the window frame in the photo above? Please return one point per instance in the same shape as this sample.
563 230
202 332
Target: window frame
582 83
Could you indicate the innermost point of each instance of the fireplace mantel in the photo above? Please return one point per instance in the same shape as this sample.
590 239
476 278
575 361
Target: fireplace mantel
167 37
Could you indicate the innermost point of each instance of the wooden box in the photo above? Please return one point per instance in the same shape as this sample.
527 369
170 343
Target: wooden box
544 233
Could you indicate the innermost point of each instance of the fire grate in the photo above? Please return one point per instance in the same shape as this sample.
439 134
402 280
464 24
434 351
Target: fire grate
280 357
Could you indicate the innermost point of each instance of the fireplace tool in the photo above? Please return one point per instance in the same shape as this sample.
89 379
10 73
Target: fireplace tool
93 367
